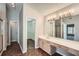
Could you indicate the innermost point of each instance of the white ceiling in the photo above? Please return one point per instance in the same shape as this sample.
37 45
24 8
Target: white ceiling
47 8
43 8
17 7
13 12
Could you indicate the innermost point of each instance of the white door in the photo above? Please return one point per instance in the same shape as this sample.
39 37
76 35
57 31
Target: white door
13 31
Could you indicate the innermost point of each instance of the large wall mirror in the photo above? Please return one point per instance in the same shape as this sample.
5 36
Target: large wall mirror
49 27
58 28
66 28
71 28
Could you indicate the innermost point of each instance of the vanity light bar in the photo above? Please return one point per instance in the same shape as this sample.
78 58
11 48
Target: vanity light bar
64 14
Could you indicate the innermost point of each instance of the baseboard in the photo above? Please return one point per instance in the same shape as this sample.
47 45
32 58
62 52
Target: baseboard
1 52
21 48
4 48
13 41
24 52
8 44
31 39
36 47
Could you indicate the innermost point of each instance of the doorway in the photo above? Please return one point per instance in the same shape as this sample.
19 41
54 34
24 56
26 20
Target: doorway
13 30
31 25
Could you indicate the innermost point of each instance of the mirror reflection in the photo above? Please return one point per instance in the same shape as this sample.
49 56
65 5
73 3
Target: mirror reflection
58 28
66 28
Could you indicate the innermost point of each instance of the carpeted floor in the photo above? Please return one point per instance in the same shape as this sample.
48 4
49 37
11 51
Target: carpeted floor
14 50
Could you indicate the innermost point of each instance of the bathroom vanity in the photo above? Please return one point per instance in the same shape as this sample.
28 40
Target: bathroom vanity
49 45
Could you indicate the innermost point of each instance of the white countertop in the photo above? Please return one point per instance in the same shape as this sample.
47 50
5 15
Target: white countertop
64 42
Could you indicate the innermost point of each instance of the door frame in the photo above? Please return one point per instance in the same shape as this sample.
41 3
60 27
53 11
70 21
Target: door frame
36 35
10 31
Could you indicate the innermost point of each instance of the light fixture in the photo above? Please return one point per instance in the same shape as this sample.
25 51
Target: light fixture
62 15
13 4
71 10
66 14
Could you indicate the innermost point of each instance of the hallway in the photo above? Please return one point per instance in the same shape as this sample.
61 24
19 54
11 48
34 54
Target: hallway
14 50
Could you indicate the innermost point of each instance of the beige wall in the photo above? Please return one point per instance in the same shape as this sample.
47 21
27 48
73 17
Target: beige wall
28 11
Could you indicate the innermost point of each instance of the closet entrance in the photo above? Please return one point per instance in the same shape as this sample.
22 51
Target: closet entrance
31 25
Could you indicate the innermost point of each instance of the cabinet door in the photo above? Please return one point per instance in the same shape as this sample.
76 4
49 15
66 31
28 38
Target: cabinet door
46 47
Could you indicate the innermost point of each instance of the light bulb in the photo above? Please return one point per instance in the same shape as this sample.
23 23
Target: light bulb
60 14
54 16
71 10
